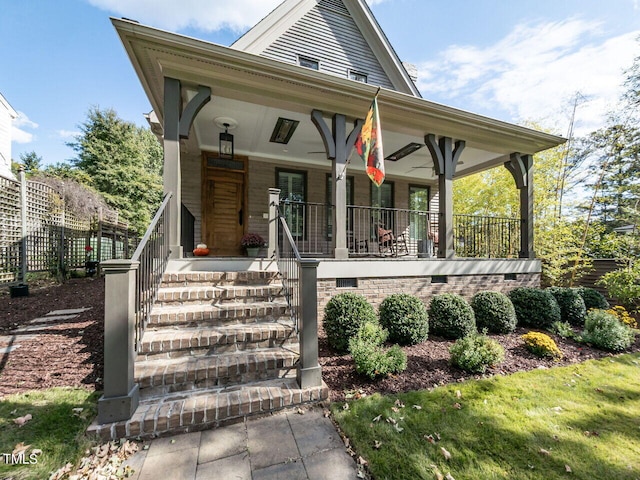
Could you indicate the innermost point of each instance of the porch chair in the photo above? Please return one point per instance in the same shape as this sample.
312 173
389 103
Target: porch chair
390 244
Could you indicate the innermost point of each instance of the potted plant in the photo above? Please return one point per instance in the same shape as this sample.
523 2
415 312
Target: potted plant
252 242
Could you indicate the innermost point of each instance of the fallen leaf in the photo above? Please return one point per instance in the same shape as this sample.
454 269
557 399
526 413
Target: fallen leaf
599 390
542 451
361 474
362 461
430 439
458 394
326 413
398 403
20 421
417 407
567 469
395 409
445 453
299 411
437 435
377 444
398 428
449 477
457 406
391 420
20 447
377 419
345 406
437 473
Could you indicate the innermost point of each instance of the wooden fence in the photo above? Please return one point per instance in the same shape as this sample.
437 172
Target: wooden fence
37 233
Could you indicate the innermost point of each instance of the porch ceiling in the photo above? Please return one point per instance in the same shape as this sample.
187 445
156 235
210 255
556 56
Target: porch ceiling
256 91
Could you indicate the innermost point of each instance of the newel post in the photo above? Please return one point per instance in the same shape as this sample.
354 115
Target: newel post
309 372
121 396
274 199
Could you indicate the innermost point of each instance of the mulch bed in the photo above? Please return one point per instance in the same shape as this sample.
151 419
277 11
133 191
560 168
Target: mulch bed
71 354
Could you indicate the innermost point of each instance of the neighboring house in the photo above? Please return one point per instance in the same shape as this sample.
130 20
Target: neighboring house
7 114
292 93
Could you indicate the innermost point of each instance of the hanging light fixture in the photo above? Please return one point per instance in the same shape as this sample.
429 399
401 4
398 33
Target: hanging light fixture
226 143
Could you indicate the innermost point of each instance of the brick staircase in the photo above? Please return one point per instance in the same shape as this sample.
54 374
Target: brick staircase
219 346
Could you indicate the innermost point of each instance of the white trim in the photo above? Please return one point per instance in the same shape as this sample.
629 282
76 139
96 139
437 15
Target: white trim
12 113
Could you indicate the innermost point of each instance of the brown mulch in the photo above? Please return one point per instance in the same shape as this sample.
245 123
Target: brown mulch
68 354
71 353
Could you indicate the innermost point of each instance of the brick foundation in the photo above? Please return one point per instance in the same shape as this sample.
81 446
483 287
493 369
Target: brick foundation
377 289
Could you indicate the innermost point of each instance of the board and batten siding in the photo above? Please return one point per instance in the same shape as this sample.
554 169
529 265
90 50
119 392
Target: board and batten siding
191 168
328 34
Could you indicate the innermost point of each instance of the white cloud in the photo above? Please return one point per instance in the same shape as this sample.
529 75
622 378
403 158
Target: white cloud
67 134
202 15
535 72
21 122
206 16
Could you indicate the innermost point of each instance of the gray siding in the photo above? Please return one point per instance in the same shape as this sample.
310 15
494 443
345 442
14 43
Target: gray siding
327 33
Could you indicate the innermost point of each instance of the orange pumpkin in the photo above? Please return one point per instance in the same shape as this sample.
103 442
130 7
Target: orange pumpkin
201 252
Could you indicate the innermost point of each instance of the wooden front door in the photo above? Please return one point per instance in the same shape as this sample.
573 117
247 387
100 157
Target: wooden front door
223 205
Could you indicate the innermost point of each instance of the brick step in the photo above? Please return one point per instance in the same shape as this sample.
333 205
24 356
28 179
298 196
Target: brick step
219 278
181 341
209 409
200 295
167 376
220 314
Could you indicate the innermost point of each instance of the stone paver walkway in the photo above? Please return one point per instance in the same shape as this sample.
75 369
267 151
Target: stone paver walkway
287 446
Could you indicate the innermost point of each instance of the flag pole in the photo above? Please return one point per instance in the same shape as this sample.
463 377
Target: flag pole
341 176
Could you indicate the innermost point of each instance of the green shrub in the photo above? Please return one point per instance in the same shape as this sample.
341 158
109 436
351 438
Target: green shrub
572 307
494 312
623 285
344 314
534 307
592 298
370 358
474 353
541 345
562 329
603 330
451 316
405 316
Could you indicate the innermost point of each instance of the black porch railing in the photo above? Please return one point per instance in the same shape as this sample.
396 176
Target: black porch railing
373 231
288 259
153 255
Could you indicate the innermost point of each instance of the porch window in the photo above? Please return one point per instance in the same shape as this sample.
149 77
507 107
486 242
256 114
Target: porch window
329 191
382 199
418 203
293 193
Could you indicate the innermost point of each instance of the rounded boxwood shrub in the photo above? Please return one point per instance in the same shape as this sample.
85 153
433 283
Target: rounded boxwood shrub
572 307
592 298
370 358
603 330
534 307
451 316
494 312
405 317
474 353
541 345
344 314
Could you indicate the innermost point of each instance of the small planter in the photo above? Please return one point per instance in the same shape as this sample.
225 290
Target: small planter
253 251
19 290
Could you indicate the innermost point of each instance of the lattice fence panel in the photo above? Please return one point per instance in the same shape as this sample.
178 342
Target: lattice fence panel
10 231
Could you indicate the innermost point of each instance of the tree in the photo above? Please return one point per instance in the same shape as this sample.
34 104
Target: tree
123 162
31 162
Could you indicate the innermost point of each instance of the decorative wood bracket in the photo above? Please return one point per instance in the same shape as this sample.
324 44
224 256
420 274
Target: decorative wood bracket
445 158
519 166
335 144
177 122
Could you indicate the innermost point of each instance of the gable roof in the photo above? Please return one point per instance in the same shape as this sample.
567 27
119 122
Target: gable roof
304 24
8 107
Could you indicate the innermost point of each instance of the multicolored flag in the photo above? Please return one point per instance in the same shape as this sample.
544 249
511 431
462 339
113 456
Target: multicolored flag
369 144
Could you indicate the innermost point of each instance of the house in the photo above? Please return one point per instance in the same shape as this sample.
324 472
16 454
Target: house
7 115
257 138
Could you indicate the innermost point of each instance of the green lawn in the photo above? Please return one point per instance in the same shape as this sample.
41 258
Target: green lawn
577 422
55 428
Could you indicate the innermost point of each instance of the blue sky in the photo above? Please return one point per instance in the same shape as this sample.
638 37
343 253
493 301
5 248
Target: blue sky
514 60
